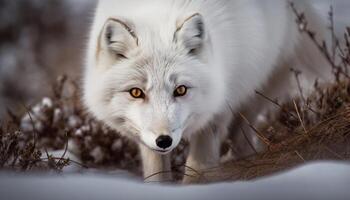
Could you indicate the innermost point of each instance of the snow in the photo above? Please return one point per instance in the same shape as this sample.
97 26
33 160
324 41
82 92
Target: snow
97 154
47 102
74 121
326 180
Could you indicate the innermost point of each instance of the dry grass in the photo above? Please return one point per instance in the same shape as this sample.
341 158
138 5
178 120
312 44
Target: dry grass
294 142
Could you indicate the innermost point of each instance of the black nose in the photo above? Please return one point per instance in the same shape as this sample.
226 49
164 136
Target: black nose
164 141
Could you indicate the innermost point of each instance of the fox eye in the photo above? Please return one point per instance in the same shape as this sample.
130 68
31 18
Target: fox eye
180 91
137 93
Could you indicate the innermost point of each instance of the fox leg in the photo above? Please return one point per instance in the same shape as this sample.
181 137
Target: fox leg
204 153
156 167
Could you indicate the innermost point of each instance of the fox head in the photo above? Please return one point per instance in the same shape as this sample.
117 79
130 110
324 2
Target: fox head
156 84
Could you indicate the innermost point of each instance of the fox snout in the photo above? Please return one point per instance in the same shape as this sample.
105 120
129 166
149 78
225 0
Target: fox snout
162 130
161 137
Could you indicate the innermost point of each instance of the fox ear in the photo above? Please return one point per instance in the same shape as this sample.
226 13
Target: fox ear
117 39
191 32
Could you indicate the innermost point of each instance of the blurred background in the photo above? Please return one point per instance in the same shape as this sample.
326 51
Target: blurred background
40 40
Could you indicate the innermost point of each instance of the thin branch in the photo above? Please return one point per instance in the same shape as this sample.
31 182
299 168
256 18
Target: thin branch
65 149
165 172
300 119
296 75
333 152
248 141
258 133
322 47
277 104
332 27
298 154
35 132
69 160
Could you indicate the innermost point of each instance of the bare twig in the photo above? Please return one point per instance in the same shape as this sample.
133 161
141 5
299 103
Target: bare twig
69 160
306 104
65 149
35 132
248 141
259 134
333 152
300 119
297 73
165 172
277 104
322 46
298 154
334 40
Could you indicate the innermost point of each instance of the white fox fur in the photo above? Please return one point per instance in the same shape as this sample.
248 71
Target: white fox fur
222 50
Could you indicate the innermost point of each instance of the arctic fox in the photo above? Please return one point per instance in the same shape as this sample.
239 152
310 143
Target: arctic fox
159 71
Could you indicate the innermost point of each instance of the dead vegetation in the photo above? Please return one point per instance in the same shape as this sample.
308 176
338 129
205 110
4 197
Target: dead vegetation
60 122
305 128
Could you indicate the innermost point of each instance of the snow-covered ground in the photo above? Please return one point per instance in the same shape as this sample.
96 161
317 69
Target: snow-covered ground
326 180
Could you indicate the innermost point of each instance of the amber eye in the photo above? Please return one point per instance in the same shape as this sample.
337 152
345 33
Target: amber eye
137 93
180 91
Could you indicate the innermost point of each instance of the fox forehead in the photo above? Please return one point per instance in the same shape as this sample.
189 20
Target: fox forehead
154 69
